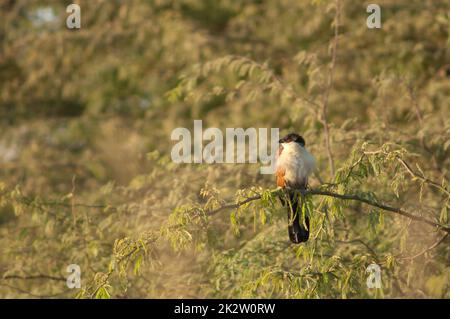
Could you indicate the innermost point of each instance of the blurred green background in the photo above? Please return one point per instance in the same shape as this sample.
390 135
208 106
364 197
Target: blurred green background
86 117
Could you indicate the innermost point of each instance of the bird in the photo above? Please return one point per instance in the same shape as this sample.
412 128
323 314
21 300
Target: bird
294 164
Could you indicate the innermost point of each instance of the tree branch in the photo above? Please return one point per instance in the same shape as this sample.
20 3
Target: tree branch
351 197
421 177
312 192
47 277
426 249
324 117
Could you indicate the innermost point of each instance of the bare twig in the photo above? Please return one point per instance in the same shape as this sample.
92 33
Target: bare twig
324 115
421 177
412 96
437 243
33 277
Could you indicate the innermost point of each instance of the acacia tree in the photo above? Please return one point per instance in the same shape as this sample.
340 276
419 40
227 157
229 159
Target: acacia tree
373 114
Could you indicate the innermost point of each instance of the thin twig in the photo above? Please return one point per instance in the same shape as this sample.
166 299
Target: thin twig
46 277
421 177
370 249
426 249
412 96
324 115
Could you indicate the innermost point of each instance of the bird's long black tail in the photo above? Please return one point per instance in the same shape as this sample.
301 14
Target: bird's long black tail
298 225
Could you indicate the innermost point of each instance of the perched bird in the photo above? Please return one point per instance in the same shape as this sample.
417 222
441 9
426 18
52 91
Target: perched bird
293 166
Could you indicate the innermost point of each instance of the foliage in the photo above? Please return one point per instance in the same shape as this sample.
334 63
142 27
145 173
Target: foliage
86 176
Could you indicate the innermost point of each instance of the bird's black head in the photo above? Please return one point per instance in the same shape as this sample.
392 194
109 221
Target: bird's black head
293 137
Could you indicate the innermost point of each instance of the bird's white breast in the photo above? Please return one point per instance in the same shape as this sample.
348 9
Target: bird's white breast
296 162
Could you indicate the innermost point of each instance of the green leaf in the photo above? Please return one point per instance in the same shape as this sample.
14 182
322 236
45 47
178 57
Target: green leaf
102 293
443 218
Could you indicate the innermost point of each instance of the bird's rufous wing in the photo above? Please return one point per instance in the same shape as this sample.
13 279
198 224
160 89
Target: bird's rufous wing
280 171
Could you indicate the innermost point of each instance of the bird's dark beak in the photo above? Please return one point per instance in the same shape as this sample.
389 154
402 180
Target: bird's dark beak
280 141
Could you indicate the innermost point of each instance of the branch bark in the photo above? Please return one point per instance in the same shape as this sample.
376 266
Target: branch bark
324 115
352 197
46 277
